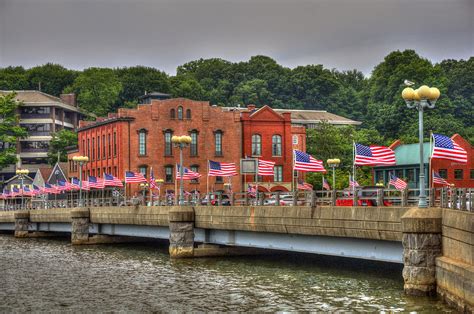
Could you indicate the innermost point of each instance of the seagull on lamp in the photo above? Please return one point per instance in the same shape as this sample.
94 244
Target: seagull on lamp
408 83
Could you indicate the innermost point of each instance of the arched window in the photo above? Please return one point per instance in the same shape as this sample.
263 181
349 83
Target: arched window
276 145
218 142
180 113
256 145
172 114
188 114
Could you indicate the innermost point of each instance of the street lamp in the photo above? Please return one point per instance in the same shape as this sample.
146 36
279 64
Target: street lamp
144 187
423 97
81 161
22 173
181 142
333 163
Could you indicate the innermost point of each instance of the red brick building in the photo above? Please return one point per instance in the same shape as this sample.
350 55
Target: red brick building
140 139
269 135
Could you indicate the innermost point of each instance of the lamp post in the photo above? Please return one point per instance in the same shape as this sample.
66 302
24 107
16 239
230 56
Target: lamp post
333 163
423 97
22 173
181 142
81 161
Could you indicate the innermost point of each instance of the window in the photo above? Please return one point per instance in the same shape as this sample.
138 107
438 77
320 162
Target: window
168 144
103 146
194 143
84 146
411 175
88 148
443 173
256 145
172 114
472 174
98 172
219 179
295 139
98 147
195 168
115 144
188 114
110 145
399 173
218 143
142 142
115 171
276 145
93 148
458 174
168 174
142 170
180 113
278 173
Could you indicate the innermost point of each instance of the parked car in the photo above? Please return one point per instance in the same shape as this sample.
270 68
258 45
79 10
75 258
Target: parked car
225 200
285 200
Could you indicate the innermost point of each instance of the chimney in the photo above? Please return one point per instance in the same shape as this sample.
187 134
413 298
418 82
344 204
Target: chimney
69 99
251 107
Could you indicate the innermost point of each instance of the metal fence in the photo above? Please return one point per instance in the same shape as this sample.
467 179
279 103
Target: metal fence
461 199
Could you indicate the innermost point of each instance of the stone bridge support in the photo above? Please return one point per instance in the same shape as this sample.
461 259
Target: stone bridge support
422 244
181 224
22 221
80 218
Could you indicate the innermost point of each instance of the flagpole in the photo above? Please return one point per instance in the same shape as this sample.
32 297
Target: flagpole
256 184
293 173
430 179
353 166
207 181
125 189
176 185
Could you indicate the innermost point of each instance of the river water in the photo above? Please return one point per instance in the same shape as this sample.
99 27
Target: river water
44 275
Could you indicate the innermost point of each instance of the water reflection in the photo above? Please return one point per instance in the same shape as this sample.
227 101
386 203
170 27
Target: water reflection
50 274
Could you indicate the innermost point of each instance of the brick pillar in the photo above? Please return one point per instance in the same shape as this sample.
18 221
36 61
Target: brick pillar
422 244
181 220
80 218
22 220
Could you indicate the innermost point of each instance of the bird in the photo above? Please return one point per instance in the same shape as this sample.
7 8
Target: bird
408 83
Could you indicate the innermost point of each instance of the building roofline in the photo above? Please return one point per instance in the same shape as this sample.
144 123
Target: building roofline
104 122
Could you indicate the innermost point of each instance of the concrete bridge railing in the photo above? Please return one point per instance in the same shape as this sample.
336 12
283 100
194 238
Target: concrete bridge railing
435 245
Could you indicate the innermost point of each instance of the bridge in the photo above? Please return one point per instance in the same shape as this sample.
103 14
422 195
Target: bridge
435 245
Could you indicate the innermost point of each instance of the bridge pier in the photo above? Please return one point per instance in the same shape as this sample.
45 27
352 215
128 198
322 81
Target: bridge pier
80 221
22 221
181 224
422 244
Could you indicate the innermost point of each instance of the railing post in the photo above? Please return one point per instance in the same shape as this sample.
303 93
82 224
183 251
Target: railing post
313 199
432 197
379 197
277 198
333 197
295 198
262 199
454 198
246 199
219 199
463 205
355 198
232 199
405 197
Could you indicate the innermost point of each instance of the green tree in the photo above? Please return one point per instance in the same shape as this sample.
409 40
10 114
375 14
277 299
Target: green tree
58 145
53 78
13 78
187 87
10 131
251 92
138 80
97 90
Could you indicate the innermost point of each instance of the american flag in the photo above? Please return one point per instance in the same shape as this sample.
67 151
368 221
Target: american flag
64 186
134 177
265 168
96 183
439 180
326 184
306 162
85 184
36 190
221 169
304 185
373 155
398 183
353 183
187 174
446 148
27 191
152 181
50 188
6 193
110 180
15 192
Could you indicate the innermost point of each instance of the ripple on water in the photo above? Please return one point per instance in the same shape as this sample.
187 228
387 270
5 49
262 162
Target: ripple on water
50 275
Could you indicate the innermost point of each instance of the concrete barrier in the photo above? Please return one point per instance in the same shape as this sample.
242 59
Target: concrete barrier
130 215
7 216
51 215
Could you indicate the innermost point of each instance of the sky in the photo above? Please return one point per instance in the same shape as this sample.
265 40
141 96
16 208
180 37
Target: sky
341 34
